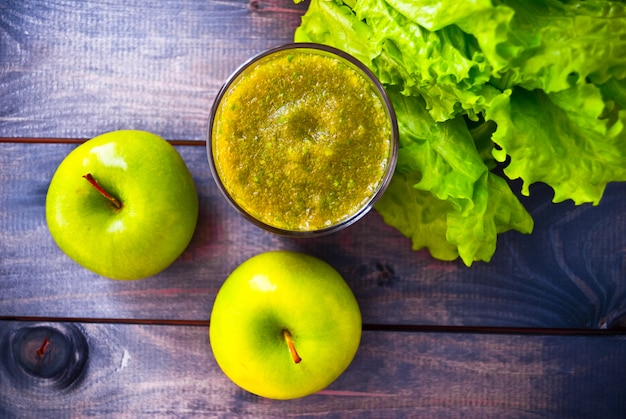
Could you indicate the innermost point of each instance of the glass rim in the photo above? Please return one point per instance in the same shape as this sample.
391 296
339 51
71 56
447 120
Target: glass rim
387 105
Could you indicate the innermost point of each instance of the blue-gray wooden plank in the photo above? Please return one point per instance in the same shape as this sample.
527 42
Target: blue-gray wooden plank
570 273
80 68
158 371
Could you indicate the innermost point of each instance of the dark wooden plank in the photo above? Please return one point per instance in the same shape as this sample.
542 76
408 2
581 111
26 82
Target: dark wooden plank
156 371
568 274
76 69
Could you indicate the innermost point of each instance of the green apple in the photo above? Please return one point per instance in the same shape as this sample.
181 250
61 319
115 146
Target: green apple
284 325
123 205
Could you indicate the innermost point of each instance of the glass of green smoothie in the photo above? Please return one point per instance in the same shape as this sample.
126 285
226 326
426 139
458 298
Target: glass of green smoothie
302 140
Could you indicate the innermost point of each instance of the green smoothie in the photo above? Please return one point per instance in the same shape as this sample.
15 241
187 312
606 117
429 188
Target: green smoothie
301 141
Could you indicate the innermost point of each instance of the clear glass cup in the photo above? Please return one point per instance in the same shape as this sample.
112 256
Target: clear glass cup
292 102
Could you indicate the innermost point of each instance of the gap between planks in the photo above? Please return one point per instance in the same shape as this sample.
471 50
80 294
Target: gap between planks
407 328
54 140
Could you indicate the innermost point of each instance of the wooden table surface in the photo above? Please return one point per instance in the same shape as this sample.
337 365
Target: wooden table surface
537 332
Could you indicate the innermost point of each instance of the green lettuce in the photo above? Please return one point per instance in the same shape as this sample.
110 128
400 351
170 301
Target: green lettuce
457 206
533 89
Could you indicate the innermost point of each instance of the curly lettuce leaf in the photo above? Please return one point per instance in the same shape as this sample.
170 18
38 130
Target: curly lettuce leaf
552 45
445 67
538 85
443 195
444 153
562 140
334 23
448 234
538 44
436 14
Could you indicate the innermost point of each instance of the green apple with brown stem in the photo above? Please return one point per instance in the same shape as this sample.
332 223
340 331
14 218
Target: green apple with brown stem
284 325
123 205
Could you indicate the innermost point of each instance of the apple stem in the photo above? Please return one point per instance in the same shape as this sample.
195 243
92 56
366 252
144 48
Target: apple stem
104 193
291 346
43 348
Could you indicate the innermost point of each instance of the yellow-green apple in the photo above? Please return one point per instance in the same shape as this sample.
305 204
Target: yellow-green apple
123 205
284 325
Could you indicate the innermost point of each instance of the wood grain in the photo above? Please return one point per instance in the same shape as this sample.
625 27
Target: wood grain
72 70
158 371
568 274
526 335
77 69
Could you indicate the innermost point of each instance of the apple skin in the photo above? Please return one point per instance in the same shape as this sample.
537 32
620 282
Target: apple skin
159 205
276 291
